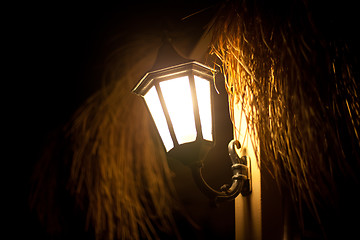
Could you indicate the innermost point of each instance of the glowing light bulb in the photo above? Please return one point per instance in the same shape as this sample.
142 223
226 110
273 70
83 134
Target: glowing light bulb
204 102
177 96
154 105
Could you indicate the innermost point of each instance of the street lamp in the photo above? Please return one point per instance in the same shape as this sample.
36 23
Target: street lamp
178 94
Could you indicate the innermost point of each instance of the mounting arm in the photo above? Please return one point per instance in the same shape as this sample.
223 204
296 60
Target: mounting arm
240 179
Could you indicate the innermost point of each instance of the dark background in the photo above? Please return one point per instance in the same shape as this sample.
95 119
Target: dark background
54 61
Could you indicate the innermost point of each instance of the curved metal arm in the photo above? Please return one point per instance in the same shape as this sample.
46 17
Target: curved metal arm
240 178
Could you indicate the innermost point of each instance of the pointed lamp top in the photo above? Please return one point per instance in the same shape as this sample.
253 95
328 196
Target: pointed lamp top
168 56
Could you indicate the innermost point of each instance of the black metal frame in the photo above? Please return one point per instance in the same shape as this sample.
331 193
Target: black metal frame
188 69
192 154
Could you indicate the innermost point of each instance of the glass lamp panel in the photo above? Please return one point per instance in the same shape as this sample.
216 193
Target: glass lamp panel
177 97
203 94
154 105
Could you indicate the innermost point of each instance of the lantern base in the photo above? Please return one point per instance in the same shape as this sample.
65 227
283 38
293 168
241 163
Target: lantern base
193 154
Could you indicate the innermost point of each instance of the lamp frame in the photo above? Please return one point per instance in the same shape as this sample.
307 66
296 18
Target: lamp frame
193 153
188 69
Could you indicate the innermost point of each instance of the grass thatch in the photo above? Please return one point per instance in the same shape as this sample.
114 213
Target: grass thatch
293 75
117 171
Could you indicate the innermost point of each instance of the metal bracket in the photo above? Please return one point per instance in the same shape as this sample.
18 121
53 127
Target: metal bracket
241 167
241 179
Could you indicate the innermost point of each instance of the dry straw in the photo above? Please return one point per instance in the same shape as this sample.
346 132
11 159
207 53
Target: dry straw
294 79
117 172
118 163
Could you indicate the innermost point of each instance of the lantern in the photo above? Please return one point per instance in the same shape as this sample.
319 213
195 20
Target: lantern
178 94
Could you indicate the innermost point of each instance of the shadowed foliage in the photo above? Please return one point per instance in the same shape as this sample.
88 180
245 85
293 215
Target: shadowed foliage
116 170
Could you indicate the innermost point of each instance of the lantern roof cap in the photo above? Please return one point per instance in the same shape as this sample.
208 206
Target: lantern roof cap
168 63
167 56
190 66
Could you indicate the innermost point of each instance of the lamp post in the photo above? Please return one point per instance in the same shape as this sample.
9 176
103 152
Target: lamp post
178 94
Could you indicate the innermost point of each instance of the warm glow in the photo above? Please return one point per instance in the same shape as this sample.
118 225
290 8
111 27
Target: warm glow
154 105
204 102
177 96
248 211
